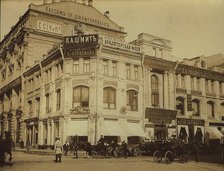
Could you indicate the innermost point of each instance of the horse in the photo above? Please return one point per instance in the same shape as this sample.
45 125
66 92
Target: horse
6 146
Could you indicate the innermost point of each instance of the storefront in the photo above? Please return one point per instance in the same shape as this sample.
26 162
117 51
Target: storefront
163 123
191 129
32 132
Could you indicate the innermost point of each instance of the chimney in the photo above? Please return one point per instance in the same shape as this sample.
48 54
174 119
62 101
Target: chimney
90 3
107 13
44 1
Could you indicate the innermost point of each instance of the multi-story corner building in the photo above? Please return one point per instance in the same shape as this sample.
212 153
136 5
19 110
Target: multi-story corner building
40 28
66 72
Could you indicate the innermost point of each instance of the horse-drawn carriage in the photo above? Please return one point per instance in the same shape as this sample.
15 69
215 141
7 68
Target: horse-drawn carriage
174 150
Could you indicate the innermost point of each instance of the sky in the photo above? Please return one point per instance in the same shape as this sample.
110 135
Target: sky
195 27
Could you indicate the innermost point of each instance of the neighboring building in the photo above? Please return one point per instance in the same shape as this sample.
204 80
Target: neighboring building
66 72
216 62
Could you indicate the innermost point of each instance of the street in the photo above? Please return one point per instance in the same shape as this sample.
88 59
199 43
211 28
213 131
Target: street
35 162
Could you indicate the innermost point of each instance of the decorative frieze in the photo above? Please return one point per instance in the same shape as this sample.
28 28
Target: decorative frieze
134 86
78 82
110 83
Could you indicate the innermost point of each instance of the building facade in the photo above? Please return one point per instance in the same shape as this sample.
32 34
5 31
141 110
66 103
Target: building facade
66 72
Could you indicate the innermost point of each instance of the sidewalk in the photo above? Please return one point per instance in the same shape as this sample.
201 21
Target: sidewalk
48 152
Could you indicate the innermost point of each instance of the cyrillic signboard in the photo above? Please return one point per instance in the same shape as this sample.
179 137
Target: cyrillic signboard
120 45
48 27
184 121
80 46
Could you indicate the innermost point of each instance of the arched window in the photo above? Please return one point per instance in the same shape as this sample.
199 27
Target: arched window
180 105
210 109
132 100
109 98
196 107
58 105
47 102
81 96
155 91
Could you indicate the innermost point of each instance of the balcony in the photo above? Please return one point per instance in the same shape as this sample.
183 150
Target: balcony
211 94
196 93
181 90
80 110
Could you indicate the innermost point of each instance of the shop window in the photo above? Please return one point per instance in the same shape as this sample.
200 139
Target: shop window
58 104
109 98
210 109
132 100
180 105
196 107
81 96
155 91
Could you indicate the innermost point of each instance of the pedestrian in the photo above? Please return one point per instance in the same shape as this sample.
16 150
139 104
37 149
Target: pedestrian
75 146
28 145
66 147
58 150
125 149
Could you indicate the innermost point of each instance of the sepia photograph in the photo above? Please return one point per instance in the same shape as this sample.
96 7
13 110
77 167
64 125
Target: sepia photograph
105 85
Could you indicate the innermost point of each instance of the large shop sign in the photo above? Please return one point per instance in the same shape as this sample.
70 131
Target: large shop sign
160 116
80 46
184 121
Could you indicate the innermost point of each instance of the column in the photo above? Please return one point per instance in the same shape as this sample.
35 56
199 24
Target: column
81 66
216 88
131 71
202 85
179 83
165 90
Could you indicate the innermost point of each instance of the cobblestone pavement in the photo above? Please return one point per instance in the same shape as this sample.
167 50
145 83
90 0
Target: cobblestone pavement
35 162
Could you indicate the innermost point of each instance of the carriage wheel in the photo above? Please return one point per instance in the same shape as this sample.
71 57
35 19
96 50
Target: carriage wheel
157 156
95 154
137 152
169 156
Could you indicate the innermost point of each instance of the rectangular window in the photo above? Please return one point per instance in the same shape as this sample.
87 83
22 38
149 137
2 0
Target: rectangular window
81 96
155 99
135 72
182 81
127 70
192 83
206 86
105 67
198 84
109 98
58 105
76 67
86 66
47 103
114 68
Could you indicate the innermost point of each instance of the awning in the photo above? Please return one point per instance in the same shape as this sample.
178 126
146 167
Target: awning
79 128
182 127
214 133
112 128
199 127
135 129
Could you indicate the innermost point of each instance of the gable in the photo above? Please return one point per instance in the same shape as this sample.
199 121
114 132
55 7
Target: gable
78 12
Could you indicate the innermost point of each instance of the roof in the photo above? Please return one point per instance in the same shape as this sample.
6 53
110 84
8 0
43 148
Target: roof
79 12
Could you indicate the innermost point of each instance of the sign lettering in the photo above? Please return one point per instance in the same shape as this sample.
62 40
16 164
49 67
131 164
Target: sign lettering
48 27
83 40
183 121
